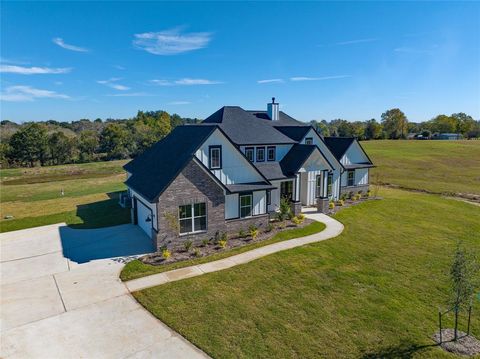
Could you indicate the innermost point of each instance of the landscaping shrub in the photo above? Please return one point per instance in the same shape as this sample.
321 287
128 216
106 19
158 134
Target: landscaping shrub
284 210
216 239
296 221
270 227
205 242
187 244
242 233
196 252
166 254
368 193
301 217
341 202
331 205
253 231
222 243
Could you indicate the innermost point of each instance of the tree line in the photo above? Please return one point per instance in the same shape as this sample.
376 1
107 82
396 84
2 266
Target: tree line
54 143
394 124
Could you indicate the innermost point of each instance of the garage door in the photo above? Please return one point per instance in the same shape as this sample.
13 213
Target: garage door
144 213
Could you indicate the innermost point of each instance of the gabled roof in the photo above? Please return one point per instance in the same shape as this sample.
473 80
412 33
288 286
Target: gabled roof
296 133
283 118
338 145
271 170
154 170
295 158
243 128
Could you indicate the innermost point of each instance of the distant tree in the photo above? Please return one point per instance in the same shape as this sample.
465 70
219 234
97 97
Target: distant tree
4 154
29 144
426 133
373 130
321 127
443 124
175 120
464 279
395 123
115 141
357 129
88 143
61 148
464 122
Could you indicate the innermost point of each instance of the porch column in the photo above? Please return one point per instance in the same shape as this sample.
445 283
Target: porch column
297 188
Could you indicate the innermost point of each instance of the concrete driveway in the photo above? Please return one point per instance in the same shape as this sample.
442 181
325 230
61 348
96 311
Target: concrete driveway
61 297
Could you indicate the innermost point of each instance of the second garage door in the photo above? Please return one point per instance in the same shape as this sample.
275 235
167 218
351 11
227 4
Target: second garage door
144 218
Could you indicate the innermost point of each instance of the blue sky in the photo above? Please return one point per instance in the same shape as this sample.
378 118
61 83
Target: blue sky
323 60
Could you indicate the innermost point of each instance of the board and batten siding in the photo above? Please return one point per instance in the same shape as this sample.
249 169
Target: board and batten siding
308 186
231 206
361 177
259 202
235 167
354 154
151 206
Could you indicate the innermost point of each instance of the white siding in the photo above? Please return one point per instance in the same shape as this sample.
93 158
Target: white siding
274 197
311 188
231 206
361 176
235 168
151 206
280 151
353 155
259 202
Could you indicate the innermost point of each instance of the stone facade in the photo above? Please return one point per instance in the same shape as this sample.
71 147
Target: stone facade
235 225
296 208
354 189
322 204
192 185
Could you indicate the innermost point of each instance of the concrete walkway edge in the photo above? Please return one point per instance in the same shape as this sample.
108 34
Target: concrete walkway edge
333 228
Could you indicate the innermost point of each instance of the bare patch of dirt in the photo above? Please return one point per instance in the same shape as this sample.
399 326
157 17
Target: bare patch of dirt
465 344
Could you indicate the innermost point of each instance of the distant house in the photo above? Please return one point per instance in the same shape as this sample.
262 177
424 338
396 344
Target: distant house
230 172
447 136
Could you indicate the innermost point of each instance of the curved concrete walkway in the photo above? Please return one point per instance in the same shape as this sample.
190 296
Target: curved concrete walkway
333 229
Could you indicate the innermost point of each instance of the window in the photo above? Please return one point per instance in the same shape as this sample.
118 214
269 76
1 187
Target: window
286 189
271 153
215 157
245 205
309 141
260 154
329 184
249 153
351 178
269 198
192 218
318 186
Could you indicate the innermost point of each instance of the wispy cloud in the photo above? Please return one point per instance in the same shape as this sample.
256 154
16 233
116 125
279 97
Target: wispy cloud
28 93
112 84
179 103
59 41
130 94
357 41
304 78
119 67
171 42
22 70
185 82
268 81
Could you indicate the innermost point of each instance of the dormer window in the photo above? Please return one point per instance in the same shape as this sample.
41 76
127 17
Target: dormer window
260 154
309 141
215 157
271 153
249 153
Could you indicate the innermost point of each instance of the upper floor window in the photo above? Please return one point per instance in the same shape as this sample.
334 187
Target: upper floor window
215 158
351 178
329 184
260 154
271 153
309 141
249 153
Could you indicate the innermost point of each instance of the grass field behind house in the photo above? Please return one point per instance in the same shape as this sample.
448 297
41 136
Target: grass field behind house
33 195
372 292
435 166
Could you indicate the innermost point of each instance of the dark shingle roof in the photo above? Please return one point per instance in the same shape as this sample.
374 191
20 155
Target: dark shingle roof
283 120
271 170
338 145
246 187
157 167
243 128
294 132
295 158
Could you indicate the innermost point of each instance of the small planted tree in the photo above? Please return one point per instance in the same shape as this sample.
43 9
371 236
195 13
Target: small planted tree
284 209
464 280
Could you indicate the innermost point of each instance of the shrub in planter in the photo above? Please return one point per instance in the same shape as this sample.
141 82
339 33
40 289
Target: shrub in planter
222 243
368 193
166 254
217 237
284 211
301 217
205 242
341 202
270 227
224 236
343 197
187 245
350 195
242 233
253 232
296 221
196 252
331 205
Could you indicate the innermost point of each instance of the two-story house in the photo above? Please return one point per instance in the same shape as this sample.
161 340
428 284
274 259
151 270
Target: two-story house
230 172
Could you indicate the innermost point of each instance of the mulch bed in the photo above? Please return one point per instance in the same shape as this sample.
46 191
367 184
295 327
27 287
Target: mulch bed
465 345
211 248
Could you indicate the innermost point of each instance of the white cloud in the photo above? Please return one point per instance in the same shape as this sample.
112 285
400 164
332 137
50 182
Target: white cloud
14 69
269 81
119 67
358 41
111 83
189 81
171 42
179 103
28 93
304 78
59 41
161 82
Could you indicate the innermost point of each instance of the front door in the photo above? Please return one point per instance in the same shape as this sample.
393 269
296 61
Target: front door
286 190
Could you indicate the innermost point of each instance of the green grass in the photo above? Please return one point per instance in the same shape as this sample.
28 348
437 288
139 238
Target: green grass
136 269
33 195
372 292
435 166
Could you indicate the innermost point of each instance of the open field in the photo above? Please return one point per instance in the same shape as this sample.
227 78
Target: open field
371 292
436 166
33 195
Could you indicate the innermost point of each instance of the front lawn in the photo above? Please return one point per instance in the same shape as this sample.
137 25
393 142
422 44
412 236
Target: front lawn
136 269
372 292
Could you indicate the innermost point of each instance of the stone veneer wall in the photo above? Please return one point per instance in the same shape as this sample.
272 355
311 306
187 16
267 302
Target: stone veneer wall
354 189
192 185
235 225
